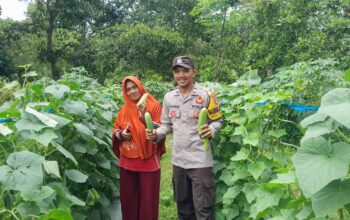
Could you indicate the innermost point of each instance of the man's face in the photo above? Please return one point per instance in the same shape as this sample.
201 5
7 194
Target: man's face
132 91
183 76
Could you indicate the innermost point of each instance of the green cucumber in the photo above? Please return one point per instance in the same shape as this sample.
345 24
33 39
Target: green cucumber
149 123
202 120
142 99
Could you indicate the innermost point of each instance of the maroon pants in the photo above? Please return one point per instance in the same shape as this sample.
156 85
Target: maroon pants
139 194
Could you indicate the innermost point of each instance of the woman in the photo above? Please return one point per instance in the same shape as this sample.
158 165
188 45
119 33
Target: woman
139 159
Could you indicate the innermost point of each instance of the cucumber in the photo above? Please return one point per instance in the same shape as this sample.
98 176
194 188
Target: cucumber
148 120
142 99
202 120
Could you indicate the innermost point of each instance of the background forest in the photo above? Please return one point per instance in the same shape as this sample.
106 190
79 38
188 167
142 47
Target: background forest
112 38
280 69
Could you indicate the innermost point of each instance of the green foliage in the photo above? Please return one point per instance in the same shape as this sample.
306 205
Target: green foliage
253 171
322 161
311 79
158 90
60 161
147 48
207 67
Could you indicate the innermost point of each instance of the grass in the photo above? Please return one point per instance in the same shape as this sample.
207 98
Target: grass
167 206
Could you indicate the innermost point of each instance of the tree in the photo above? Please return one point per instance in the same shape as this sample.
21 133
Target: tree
134 49
214 14
49 15
172 14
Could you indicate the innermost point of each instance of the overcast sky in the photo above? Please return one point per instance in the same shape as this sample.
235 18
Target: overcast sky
13 9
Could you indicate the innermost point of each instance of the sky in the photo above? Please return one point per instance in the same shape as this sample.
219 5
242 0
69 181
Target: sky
13 9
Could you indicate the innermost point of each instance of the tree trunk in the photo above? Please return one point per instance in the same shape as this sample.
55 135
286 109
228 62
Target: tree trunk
51 55
220 51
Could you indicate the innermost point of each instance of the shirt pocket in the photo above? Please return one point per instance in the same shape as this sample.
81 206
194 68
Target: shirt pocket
193 116
174 115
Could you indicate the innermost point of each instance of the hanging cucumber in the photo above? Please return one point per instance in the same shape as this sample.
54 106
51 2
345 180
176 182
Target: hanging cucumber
202 120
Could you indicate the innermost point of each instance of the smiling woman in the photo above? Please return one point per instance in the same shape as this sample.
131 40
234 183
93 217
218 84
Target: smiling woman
13 9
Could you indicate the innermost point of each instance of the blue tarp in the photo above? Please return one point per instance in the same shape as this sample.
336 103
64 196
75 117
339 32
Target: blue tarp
295 107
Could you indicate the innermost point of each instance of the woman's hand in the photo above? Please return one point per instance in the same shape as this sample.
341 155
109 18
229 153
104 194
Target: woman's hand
151 136
205 132
125 134
142 109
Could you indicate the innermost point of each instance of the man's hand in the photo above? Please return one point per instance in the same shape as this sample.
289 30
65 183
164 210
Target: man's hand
125 134
151 136
205 132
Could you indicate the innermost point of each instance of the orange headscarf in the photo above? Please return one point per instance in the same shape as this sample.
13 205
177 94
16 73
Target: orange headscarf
129 114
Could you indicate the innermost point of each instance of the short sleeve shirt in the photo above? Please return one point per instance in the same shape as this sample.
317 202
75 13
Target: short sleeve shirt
180 114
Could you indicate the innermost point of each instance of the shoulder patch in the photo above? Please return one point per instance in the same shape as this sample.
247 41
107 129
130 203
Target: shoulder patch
214 111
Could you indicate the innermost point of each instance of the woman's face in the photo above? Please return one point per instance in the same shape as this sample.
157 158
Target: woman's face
132 91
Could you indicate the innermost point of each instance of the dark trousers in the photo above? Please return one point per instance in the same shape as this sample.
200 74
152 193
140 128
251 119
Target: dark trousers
139 194
194 193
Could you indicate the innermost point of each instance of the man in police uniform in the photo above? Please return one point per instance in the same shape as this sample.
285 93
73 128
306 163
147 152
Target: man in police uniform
193 180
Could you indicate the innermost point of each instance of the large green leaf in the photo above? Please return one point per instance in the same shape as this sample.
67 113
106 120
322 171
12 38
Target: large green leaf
66 153
252 138
57 91
26 124
240 172
336 104
37 195
320 128
64 197
231 194
107 115
51 167
11 85
4 131
286 214
231 212
76 176
226 177
57 214
240 130
75 107
256 169
26 209
43 118
253 113
277 133
75 200
85 131
317 163
317 117
23 171
61 120
305 212
249 189
331 198
284 178
265 198
45 136
241 155
103 162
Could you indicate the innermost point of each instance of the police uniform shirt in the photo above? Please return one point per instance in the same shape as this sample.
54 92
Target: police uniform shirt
180 115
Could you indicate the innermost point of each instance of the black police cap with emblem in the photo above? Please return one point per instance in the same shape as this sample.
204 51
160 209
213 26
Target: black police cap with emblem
183 61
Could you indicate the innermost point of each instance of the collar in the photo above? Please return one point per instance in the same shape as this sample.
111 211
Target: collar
193 93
